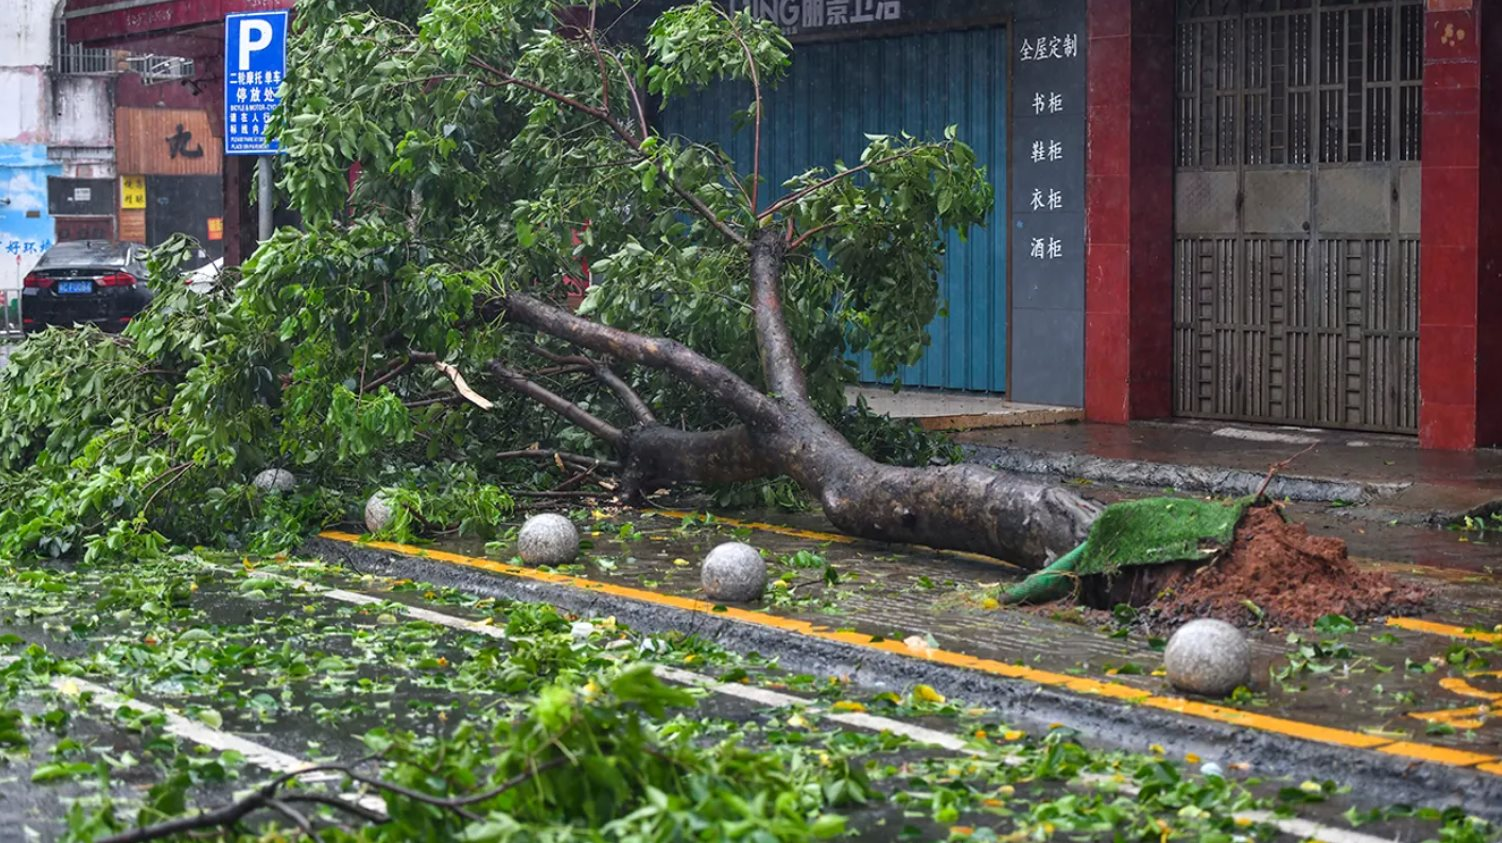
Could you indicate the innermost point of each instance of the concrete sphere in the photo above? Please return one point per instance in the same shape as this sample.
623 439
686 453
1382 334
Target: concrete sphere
378 512
734 572
275 480
548 540
1208 657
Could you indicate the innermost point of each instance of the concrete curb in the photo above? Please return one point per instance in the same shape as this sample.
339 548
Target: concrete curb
1375 778
1225 482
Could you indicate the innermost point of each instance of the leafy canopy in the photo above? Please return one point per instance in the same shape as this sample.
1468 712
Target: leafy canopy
500 146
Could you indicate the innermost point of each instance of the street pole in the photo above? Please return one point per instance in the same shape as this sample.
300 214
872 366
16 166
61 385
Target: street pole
267 193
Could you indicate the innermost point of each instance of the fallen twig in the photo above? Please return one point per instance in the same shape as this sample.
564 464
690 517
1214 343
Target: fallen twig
1279 466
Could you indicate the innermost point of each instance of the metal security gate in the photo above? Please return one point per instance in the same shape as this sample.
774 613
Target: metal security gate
1297 211
838 92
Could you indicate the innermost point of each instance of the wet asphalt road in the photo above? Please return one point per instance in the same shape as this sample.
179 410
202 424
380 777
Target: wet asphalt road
298 673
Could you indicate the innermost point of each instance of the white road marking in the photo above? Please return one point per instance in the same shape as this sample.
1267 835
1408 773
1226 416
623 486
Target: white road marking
861 720
357 599
1304 829
262 756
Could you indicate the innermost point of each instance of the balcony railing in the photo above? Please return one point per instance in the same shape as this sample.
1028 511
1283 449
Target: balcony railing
78 60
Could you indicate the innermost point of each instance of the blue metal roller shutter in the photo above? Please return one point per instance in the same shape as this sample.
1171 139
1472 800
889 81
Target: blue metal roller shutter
838 92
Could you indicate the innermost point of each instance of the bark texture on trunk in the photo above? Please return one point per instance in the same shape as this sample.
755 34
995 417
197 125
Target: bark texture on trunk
655 455
959 507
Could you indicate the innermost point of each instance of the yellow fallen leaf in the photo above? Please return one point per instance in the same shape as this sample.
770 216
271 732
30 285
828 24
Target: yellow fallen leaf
980 734
1157 749
992 803
1243 822
1192 758
848 705
1006 790
798 721
990 603
928 694
69 688
682 563
1013 735
961 830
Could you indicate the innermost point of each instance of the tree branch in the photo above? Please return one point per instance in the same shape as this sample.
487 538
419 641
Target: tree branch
713 378
392 373
457 378
577 460
756 122
807 235
556 403
779 354
625 394
797 196
620 131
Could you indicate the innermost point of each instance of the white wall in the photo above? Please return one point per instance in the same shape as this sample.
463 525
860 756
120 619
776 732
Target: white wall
26 32
23 104
83 112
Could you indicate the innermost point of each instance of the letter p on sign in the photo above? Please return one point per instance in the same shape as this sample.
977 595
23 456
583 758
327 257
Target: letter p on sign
255 35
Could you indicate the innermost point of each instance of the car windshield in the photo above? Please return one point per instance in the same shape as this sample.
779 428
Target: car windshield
85 253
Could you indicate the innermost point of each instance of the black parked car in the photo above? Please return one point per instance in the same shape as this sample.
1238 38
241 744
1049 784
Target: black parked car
97 282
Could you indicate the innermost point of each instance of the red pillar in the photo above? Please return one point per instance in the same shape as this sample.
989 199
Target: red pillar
1129 210
1460 277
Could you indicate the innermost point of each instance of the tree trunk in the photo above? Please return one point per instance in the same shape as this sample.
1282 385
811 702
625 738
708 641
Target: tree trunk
958 507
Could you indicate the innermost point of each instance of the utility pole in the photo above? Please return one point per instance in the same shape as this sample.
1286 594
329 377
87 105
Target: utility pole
267 200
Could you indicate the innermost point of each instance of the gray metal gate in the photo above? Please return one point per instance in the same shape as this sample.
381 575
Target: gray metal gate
1297 211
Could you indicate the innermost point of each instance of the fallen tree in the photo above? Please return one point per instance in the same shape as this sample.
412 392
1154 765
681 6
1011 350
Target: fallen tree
502 147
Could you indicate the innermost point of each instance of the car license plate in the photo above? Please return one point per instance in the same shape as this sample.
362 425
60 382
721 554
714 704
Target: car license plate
74 288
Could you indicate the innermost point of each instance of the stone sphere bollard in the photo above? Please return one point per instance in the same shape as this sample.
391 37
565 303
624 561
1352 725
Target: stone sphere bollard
275 480
378 512
548 540
1208 657
734 572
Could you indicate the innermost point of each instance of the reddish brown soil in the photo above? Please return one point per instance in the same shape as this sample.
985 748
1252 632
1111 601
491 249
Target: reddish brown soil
1293 577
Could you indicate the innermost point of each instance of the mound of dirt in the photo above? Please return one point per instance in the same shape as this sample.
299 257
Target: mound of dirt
1292 577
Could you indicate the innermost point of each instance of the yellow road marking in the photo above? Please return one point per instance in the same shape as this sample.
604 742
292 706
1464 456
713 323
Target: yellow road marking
1458 718
1449 630
1126 693
816 535
1457 685
1436 754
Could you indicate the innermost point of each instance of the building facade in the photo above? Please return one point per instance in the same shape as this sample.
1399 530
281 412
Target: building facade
1252 210
57 163
1255 210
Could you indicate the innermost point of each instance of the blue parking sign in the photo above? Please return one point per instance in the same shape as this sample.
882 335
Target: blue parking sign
255 62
